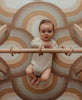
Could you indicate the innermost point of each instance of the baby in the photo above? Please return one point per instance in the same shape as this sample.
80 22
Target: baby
40 67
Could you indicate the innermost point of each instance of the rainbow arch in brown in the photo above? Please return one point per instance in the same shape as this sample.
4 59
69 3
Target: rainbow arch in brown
15 83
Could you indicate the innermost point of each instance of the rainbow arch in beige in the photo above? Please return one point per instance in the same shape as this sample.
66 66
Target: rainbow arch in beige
65 80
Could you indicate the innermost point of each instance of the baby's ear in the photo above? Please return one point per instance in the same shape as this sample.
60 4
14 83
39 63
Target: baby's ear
54 30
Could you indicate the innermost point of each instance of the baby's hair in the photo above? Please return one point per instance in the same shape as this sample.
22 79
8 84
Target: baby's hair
46 21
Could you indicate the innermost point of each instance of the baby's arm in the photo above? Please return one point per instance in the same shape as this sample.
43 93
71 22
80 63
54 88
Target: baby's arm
54 44
36 43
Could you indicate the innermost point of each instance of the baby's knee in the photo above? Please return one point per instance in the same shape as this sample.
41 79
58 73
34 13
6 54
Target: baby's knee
45 78
29 69
28 72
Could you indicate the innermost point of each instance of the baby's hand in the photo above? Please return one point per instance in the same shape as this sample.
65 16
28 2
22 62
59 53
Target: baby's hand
47 45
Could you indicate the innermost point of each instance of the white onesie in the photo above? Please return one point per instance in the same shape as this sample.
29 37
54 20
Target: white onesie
41 63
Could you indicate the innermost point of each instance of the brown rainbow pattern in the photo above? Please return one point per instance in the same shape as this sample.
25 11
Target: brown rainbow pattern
66 80
6 13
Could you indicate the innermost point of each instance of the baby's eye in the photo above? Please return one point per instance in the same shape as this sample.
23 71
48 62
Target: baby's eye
49 31
43 31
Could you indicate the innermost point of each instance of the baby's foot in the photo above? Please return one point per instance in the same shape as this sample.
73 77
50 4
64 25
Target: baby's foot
33 80
38 81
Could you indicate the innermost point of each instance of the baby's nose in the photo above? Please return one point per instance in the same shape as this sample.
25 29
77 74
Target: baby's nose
46 33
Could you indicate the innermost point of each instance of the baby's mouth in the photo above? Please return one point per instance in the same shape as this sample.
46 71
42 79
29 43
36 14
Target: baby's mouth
46 37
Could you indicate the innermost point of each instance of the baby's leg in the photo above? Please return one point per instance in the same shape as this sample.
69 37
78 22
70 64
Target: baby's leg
29 72
45 75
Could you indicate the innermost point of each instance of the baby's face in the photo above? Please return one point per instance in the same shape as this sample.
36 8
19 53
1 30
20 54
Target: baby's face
46 31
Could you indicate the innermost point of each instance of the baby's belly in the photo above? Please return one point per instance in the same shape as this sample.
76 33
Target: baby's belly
43 59
40 63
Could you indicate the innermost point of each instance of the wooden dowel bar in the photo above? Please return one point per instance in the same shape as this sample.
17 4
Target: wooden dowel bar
34 50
